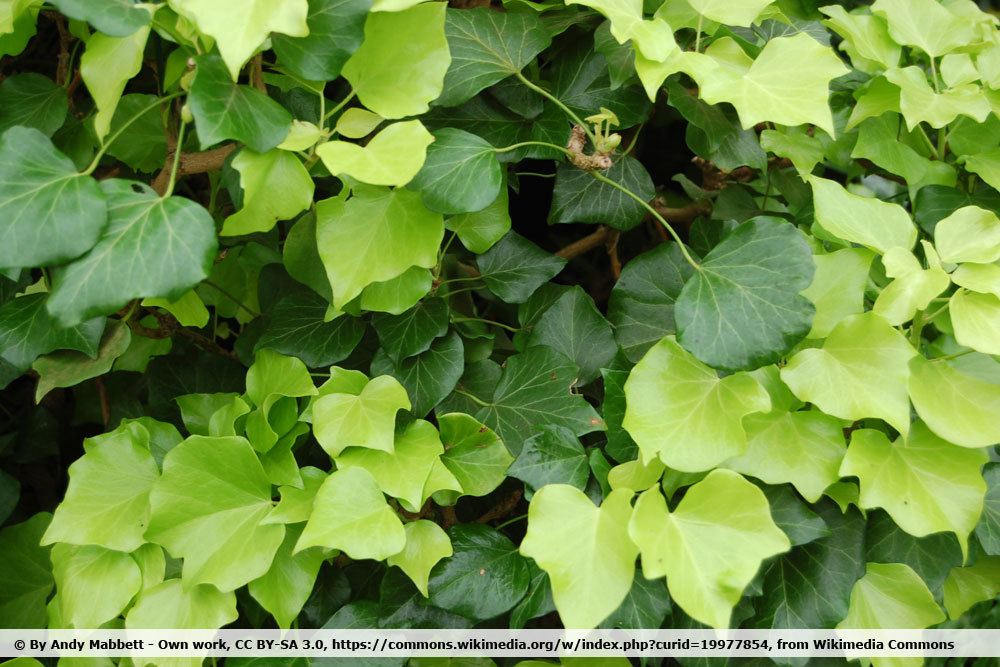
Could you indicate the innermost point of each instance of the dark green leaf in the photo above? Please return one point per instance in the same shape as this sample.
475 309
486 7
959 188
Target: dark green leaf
65 368
620 445
793 516
514 95
27 331
620 57
646 605
988 530
578 197
580 79
412 332
26 576
336 28
117 18
515 267
301 257
32 100
429 376
297 329
742 309
932 557
143 144
536 602
401 605
553 455
573 325
485 577
10 493
224 110
461 173
937 202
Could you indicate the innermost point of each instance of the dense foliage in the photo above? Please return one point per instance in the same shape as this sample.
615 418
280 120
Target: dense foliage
380 313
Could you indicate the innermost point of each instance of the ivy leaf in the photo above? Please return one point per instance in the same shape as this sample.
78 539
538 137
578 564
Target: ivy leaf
515 267
107 500
426 545
107 64
485 577
413 331
399 77
26 578
430 376
286 586
208 507
273 374
931 557
578 197
653 39
585 550
480 230
391 157
924 24
792 516
172 605
473 453
581 81
976 320
692 546
960 408
679 410
117 18
641 307
398 294
350 514
141 145
646 606
239 27
296 504
174 236
487 47
919 103
297 329
27 331
224 110
275 187
865 38
730 13
394 221
552 456
461 173
838 287
32 100
967 586
861 371
864 220
925 483
93 584
336 28
66 368
52 213
365 418
970 234
988 528
573 325
891 595
734 313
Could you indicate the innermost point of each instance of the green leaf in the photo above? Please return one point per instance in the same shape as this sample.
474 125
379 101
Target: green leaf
515 267
107 501
365 418
393 221
350 514
357 123
480 230
581 81
391 157
413 331
52 213
925 483
913 287
473 453
172 605
976 320
336 28
107 64
275 187
486 47
986 165
861 371
118 18
642 301
296 504
426 545
239 28
679 410
967 586
960 408
274 374
461 174
793 516
693 545
931 557
207 509
970 234
585 550
93 584
646 606
988 528
67 368
654 38
730 13
983 278
27 331
733 312
429 376
863 220
891 595
838 288
485 577
573 326
26 577
17 25
143 144
297 329
578 197
801 448
552 456
399 77
399 294
174 236
224 110
866 38
286 587
925 24
919 103
32 100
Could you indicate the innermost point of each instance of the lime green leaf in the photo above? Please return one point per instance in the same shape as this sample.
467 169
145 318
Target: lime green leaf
336 28
399 294
426 544
573 325
926 484
118 18
393 221
461 173
362 419
838 288
26 577
297 329
635 475
17 24
515 267
552 456
803 448
976 319
866 38
106 66
275 187
878 141
391 157
93 584
970 234
579 197
925 24
357 122
876 98
224 110
189 309
804 151
239 27
693 546
107 501
473 453
51 212
859 372
679 410
913 287
984 278
654 39
399 77
275 374
864 220
350 514
27 331
986 165
967 586
67 368
413 331
207 509
891 595
296 504
32 100
585 550
302 136
732 13
172 605
175 237
960 408
732 313
920 103
284 589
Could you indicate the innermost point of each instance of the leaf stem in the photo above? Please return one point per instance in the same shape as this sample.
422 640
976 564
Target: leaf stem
656 214
178 149
513 520
493 322
930 318
697 34
956 355
117 133
559 103
562 149
343 103
475 399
